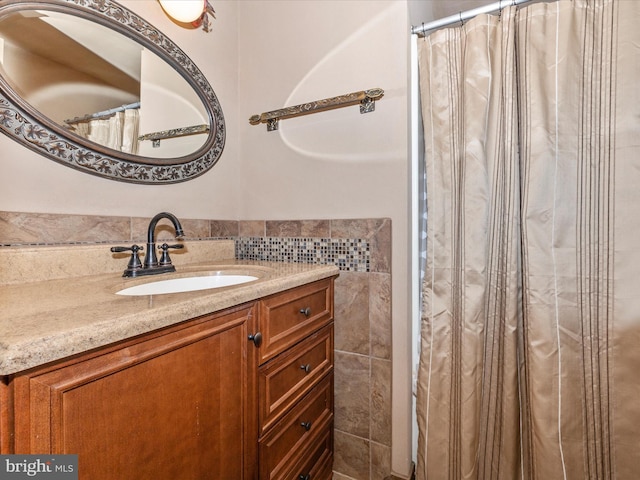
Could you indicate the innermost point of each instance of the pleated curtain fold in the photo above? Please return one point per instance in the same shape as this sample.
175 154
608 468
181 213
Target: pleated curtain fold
118 131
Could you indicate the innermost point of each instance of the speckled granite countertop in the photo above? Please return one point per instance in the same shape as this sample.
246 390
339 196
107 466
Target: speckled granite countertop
48 320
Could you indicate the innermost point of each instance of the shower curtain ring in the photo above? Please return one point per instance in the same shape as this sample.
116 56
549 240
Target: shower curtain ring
461 19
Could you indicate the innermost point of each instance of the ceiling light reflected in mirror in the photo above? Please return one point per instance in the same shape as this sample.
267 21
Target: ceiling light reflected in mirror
192 13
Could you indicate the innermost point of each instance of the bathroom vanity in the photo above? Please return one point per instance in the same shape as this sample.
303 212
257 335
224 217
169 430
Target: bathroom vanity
230 383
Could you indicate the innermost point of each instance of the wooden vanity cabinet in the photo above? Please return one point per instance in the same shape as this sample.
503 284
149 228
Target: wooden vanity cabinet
295 384
179 403
245 393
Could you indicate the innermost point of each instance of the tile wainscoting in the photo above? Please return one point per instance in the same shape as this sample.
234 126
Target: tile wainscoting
361 248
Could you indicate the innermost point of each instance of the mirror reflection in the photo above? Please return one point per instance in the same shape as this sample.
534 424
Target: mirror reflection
101 85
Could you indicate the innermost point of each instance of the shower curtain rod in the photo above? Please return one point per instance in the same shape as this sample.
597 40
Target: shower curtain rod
462 16
103 114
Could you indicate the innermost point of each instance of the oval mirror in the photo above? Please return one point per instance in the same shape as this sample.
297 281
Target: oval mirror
97 88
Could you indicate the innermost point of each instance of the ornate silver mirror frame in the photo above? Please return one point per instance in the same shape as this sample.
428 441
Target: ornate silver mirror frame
21 122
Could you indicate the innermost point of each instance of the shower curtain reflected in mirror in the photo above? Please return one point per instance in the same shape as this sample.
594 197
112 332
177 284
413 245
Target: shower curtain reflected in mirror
118 131
530 336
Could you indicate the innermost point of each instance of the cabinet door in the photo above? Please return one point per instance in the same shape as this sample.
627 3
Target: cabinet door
178 405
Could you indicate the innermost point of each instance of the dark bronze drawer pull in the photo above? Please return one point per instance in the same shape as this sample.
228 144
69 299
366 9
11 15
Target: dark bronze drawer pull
306 425
256 338
305 311
305 477
306 367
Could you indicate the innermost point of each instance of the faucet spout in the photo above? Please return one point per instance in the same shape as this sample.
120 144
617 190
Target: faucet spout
150 258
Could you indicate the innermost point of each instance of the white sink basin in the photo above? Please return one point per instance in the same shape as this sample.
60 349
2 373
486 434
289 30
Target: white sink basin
186 284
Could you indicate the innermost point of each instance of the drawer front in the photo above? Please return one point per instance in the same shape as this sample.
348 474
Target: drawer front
290 316
285 380
316 462
293 434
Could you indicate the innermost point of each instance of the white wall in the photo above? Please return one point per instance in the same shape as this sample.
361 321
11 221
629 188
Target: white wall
162 90
337 164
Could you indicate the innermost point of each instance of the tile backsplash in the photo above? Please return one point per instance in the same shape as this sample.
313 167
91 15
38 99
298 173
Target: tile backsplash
352 245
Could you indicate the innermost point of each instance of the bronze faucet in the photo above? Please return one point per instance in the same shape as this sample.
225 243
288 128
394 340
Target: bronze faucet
151 265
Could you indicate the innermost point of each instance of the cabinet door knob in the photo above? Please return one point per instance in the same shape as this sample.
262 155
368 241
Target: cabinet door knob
306 367
305 477
305 311
306 425
256 338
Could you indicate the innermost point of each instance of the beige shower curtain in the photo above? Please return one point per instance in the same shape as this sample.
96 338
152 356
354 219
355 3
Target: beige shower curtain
530 340
118 131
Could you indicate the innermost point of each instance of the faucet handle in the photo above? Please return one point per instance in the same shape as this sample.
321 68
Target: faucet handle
134 261
165 259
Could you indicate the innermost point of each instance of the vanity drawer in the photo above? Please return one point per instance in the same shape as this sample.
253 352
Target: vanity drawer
292 435
286 379
290 316
316 462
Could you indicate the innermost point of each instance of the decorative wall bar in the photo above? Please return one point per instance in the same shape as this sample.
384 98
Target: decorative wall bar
155 137
366 99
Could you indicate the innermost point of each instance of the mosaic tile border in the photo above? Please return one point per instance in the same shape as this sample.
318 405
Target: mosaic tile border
348 254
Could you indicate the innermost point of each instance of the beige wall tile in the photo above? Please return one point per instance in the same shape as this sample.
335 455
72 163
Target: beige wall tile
380 314
195 228
224 228
381 247
380 430
352 456
298 228
251 228
380 461
352 312
352 394
51 228
356 228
